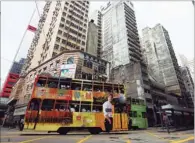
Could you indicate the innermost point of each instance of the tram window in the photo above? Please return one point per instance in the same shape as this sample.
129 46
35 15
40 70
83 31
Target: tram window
144 115
97 86
65 85
76 86
74 106
52 83
133 101
85 107
116 90
87 86
47 105
133 114
121 89
108 88
141 102
137 101
61 105
34 104
41 83
97 107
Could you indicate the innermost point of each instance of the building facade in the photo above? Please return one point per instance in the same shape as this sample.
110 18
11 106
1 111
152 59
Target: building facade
161 59
97 17
189 85
62 26
92 39
87 67
121 43
187 63
12 78
17 66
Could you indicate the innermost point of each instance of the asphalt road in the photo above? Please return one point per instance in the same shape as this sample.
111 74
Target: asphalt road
141 136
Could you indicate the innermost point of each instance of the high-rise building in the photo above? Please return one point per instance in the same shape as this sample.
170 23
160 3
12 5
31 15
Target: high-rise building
97 17
121 43
12 78
187 63
92 39
189 85
62 26
161 59
17 66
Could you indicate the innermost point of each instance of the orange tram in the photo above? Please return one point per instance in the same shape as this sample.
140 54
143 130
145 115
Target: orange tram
63 104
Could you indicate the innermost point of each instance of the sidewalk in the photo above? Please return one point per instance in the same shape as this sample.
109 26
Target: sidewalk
175 129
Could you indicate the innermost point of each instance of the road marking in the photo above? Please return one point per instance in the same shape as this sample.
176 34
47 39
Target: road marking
184 140
158 136
27 141
152 134
84 139
8 136
126 137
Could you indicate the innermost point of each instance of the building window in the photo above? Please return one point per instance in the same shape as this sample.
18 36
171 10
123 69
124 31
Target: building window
54 54
58 39
61 25
65 8
62 19
64 14
63 41
45 68
51 66
62 49
70 60
83 43
56 46
57 63
88 64
59 32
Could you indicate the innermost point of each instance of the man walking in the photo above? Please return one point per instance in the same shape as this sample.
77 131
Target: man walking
107 109
166 121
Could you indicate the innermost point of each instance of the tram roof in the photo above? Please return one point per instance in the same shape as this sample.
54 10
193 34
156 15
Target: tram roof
96 81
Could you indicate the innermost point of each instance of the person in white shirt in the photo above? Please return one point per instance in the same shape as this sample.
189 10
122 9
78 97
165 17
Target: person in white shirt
107 110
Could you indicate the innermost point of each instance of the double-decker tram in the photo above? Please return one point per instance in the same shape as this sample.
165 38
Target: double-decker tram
137 114
63 104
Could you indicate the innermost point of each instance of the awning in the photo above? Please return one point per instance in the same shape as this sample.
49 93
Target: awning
176 108
11 100
20 111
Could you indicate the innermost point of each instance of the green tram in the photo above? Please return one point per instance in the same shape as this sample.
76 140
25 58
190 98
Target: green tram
137 115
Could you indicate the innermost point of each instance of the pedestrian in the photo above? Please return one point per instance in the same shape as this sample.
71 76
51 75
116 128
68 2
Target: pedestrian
21 124
166 121
107 110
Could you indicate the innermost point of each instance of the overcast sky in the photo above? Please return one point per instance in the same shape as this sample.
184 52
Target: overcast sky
176 17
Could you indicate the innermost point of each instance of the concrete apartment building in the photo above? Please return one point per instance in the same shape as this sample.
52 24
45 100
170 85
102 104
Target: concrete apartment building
92 39
189 85
62 26
161 60
121 43
121 46
187 63
97 17
12 78
87 67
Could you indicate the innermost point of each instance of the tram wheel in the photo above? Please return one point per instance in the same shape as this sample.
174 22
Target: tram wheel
63 131
95 131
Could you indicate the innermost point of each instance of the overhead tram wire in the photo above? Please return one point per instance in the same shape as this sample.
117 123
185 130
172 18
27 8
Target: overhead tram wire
18 49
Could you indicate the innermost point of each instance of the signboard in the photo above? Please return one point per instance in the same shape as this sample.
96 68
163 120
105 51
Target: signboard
3 100
20 111
68 70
